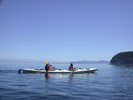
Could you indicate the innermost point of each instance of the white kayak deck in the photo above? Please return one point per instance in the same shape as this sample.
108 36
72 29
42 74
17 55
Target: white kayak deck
79 70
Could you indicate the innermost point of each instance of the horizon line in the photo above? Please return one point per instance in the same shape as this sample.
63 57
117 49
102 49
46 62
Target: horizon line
41 61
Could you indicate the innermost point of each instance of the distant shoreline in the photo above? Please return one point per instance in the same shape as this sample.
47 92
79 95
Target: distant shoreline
57 62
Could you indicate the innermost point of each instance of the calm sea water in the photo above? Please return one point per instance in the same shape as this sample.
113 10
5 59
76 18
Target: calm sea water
107 83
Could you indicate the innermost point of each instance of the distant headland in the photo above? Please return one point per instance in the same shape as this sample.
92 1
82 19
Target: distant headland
122 58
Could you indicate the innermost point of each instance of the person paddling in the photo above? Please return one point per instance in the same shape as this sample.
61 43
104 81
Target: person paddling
71 67
47 66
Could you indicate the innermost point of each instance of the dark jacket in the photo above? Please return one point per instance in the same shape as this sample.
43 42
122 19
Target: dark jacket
47 67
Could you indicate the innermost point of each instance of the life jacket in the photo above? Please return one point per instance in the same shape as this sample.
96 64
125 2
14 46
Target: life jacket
47 67
71 68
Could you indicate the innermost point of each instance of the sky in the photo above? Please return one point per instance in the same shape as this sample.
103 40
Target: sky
65 30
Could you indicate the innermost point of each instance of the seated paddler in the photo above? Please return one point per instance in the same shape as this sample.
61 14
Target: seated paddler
47 66
71 67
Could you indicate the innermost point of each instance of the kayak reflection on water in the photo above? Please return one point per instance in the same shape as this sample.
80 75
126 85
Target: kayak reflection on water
47 76
70 76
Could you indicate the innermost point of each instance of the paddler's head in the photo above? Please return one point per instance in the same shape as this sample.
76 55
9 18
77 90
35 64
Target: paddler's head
71 64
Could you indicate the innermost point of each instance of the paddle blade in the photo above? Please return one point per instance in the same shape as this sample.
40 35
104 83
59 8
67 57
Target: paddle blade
46 62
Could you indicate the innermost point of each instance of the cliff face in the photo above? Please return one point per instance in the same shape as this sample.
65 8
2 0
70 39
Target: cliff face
123 58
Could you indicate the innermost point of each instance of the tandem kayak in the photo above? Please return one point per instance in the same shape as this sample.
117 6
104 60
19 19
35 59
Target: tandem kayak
77 70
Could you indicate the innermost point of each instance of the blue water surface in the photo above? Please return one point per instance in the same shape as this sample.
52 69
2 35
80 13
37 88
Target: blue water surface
107 83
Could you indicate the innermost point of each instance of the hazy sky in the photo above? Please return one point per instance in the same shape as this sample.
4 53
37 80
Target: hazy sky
65 30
